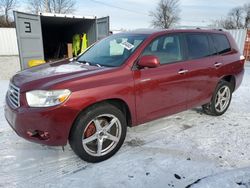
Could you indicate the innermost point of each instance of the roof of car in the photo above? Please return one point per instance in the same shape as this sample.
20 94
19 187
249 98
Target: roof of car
146 31
157 31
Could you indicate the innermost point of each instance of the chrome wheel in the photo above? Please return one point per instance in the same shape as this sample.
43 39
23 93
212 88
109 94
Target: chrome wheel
222 98
101 135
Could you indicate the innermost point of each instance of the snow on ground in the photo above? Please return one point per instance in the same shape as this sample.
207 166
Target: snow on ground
189 149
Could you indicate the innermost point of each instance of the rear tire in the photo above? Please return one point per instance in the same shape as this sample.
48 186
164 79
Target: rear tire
220 101
98 133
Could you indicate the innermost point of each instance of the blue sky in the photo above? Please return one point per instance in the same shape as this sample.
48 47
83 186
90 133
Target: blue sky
193 12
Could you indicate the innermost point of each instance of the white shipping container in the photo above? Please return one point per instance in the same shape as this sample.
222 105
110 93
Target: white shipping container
239 36
8 42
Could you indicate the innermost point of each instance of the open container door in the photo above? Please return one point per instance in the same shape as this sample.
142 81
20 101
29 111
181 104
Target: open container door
29 38
102 25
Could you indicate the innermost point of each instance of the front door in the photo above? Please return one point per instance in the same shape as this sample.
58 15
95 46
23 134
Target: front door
162 91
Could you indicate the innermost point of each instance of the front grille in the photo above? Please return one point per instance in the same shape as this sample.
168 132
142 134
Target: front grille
14 95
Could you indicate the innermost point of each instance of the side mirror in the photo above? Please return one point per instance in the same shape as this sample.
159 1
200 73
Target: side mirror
149 61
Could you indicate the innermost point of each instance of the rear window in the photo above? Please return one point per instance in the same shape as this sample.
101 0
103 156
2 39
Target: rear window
221 43
198 45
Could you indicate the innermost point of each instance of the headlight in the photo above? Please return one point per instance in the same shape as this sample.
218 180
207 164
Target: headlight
42 98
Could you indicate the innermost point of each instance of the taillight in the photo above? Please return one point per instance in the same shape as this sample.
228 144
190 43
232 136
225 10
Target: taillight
242 59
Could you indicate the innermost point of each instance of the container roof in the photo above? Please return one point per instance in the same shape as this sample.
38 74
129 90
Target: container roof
65 15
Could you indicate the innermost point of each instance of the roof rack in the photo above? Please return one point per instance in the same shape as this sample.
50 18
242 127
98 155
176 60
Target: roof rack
218 29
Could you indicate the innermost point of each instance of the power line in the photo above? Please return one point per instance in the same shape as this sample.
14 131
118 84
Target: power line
117 7
135 12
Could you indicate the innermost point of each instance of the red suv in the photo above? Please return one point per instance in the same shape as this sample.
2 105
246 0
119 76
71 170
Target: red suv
123 80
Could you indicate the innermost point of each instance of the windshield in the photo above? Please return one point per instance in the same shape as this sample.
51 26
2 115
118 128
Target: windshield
113 50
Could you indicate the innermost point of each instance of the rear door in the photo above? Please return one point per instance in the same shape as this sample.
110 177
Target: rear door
102 27
29 37
202 63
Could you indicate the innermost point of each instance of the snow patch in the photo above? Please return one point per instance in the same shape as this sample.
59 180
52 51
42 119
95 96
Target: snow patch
69 68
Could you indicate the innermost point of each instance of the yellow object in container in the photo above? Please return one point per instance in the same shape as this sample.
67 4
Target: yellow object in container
35 62
84 43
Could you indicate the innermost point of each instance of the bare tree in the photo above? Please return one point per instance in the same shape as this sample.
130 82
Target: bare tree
6 7
236 15
63 6
223 23
247 15
2 21
237 18
166 14
35 6
52 6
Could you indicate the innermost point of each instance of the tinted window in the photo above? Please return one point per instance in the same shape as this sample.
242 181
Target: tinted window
166 48
198 46
213 50
221 43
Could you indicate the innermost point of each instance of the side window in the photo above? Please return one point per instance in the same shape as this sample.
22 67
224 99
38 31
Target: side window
166 48
221 43
198 45
213 50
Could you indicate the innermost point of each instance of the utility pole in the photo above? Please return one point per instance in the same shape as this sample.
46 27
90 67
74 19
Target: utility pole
47 5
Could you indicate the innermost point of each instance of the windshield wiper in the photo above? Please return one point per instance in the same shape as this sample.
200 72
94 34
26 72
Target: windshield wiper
89 63
84 62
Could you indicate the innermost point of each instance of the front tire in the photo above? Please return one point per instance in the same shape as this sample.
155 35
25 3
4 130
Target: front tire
220 101
98 133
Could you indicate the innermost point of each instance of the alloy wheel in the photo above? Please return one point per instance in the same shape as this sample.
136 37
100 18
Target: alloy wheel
222 98
101 135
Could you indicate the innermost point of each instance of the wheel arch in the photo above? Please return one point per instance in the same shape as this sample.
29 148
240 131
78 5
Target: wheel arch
123 106
231 80
119 103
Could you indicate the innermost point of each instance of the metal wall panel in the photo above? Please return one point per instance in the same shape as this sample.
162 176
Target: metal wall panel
239 36
102 27
8 42
29 37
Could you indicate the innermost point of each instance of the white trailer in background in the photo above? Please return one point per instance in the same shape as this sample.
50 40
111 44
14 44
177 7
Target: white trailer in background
239 36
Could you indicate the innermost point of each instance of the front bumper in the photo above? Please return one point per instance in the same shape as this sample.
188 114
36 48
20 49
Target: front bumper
48 126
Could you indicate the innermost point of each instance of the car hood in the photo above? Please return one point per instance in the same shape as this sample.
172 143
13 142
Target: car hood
44 76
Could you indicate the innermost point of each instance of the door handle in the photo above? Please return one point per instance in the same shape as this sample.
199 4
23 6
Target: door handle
182 71
217 64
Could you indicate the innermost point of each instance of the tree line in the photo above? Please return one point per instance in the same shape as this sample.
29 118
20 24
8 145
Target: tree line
166 15
237 18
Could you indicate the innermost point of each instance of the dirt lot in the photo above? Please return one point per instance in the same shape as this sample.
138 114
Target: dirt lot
189 149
